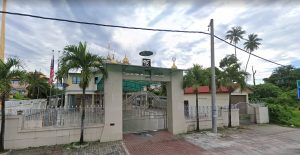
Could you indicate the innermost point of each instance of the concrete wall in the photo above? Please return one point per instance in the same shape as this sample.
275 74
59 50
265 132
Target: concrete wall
16 138
222 99
222 121
235 120
262 115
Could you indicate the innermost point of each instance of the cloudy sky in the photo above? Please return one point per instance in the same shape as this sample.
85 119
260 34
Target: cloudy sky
276 22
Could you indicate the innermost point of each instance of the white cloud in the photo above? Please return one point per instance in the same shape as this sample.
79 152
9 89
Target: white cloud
275 23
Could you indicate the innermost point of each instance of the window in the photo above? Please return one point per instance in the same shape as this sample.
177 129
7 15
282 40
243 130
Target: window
15 82
75 80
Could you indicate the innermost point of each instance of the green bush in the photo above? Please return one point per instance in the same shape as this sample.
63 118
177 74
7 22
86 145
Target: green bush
18 96
280 114
264 91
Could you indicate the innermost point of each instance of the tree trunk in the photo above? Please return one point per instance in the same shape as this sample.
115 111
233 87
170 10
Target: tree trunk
229 112
248 61
235 50
197 111
2 122
82 116
253 76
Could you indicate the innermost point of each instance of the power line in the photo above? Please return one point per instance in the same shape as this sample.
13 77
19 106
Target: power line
134 28
249 52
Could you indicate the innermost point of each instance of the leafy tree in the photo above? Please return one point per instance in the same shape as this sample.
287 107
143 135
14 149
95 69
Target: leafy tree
232 77
285 77
37 85
195 77
78 58
264 91
235 35
8 71
251 44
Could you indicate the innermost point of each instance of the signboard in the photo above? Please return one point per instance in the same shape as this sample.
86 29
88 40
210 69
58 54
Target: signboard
298 85
146 62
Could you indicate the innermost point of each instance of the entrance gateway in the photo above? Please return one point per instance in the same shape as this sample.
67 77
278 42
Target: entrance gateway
128 110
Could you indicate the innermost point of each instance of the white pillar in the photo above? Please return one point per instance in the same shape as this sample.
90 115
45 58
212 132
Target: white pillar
93 100
113 129
67 102
175 106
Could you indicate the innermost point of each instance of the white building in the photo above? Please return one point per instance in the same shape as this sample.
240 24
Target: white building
222 97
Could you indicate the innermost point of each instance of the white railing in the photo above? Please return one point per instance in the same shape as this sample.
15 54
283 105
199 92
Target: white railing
61 117
12 107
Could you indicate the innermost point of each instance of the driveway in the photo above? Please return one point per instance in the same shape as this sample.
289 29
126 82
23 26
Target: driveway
246 140
249 140
159 143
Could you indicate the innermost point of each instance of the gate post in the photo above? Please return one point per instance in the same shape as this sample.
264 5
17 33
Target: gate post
175 106
113 104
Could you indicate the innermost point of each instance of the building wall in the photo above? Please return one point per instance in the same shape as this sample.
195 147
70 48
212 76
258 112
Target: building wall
75 89
221 121
205 99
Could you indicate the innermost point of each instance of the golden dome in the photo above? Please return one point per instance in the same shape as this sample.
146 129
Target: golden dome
125 60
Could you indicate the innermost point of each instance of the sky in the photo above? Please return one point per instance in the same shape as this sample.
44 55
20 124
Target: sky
276 22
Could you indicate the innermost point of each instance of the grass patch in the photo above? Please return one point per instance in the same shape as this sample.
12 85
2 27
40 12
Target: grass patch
295 120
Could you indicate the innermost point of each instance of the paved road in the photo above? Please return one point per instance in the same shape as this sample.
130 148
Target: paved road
252 140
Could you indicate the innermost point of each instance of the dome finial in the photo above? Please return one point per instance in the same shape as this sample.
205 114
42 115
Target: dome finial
174 66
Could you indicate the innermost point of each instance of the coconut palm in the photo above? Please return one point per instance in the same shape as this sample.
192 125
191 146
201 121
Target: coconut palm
37 85
78 58
232 78
8 70
235 35
251 44
195 77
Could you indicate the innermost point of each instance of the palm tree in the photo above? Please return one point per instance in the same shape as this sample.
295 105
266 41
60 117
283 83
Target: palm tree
78 58
8 71
232 77
37 85
234 35
251 44
195 77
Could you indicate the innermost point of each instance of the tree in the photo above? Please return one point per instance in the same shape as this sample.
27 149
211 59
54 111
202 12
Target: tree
8 71
195 77
232 77
251 44
264 91
253 76
284 77
37 85
78 58
235 35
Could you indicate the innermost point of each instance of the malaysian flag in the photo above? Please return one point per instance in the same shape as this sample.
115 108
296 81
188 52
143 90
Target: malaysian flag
50 81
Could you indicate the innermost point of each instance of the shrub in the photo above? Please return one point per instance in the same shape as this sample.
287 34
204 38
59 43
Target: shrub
280 114
264 91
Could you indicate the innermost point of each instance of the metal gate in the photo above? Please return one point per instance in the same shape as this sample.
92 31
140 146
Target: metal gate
144 112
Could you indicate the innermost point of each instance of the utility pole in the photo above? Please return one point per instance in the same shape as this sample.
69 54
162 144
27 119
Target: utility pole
213 78
2 38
